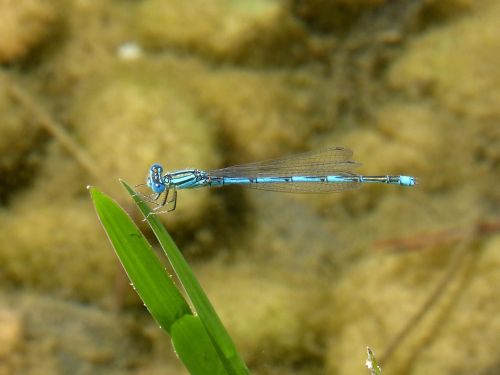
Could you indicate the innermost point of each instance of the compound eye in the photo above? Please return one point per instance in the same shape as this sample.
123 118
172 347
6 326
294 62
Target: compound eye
157 185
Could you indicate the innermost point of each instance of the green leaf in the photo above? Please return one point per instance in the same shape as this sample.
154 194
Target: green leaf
371 363
206 313
153 284
201 358
148 276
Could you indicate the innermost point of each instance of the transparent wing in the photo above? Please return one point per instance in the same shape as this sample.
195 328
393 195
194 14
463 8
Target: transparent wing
330 161
306 187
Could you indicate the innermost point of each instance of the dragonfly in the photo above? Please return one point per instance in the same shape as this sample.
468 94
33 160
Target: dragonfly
323 171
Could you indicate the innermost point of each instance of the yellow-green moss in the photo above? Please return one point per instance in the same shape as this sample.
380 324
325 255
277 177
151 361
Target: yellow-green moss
20 144
261 114
127 118
213 28
41 251
268 310
381 294
458 64
229 82
24 24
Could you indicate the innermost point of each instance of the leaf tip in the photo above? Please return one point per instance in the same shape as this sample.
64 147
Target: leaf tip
92 190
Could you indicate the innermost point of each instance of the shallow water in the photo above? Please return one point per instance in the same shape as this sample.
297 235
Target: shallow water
92 92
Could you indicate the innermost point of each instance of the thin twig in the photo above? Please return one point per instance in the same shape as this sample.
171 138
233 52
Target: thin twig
432 299
54 128
446 237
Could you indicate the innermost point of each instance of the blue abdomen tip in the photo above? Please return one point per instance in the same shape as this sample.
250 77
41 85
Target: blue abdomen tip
407 181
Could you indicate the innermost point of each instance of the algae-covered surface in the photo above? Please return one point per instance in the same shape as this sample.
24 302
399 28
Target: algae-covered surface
95 91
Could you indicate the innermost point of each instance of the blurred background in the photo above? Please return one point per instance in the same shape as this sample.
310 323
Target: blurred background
93 91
